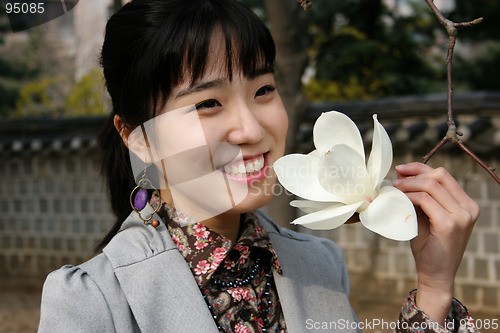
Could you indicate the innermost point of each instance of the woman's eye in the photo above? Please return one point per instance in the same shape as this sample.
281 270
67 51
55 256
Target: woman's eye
208 104
264 91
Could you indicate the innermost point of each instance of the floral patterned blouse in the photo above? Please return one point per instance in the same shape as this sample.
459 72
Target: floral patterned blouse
413 320
237 284
235 279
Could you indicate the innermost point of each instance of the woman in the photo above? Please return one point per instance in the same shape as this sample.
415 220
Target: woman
194 98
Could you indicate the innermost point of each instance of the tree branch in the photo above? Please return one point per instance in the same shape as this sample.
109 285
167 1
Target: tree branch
452 135
439 145
478 160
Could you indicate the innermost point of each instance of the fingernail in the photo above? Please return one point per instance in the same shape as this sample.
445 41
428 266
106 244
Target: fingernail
397 182
401 167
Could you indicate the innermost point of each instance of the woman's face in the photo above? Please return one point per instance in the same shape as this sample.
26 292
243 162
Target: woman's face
224 136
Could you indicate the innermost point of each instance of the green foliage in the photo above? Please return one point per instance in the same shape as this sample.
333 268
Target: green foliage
361 39
478 69
41 97
361 50
58 96
482 72
86 97
325 90
358 50
20 63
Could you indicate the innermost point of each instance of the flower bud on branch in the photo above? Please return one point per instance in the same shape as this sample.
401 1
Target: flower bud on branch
306 4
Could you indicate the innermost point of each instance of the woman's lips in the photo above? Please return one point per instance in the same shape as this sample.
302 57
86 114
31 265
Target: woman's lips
249 170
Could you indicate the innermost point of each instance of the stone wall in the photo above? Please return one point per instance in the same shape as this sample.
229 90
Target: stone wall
54 207
54 210
53 204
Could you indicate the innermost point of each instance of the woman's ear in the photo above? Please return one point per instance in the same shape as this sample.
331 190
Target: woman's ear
122 129
134 139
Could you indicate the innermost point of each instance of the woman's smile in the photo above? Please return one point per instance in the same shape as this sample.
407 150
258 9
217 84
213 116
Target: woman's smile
247 171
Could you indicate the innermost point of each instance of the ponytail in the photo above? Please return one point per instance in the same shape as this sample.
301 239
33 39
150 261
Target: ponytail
117 172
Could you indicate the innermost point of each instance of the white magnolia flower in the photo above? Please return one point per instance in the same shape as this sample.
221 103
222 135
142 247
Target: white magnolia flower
336 182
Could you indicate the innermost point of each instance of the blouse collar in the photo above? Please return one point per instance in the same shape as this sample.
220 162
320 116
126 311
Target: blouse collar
205 250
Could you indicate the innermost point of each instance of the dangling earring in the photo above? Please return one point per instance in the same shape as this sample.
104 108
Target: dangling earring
141 198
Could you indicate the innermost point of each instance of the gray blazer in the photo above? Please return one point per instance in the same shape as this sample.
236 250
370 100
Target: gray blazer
141 283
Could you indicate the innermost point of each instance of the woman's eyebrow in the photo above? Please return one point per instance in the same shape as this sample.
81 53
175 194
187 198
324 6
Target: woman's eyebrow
200 85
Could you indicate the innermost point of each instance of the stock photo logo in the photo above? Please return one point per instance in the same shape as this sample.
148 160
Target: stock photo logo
25 15
171 151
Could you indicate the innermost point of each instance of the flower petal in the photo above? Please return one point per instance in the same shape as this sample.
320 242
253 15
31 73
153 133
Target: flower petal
328 218
308 206
299 174
391 215
380 160
333 128
343 173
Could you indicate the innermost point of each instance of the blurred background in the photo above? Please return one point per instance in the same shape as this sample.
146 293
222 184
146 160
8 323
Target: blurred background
359 57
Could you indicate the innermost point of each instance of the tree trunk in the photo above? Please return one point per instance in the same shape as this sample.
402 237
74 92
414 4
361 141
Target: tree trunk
288 27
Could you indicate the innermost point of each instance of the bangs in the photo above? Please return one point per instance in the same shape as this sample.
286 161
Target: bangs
159 44
234 43
223 51
189 43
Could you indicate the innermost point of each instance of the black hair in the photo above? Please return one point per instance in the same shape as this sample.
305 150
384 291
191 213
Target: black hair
149 47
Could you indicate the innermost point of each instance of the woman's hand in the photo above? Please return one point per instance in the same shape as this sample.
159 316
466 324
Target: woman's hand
446 217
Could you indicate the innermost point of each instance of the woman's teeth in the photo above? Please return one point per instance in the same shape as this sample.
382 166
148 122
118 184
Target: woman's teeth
245 168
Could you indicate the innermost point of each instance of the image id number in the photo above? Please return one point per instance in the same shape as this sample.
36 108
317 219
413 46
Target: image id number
24 8
483 324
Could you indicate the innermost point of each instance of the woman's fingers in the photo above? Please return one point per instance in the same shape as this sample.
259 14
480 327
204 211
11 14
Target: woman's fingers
433 177
449 209
439 174
441 222
427 193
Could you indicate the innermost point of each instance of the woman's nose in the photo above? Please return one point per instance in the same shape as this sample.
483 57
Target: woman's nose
245 126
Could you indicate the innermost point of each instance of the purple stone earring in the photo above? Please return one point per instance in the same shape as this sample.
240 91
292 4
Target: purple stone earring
139 201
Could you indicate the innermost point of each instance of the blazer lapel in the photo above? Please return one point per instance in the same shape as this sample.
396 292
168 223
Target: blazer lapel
311 288
156 281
